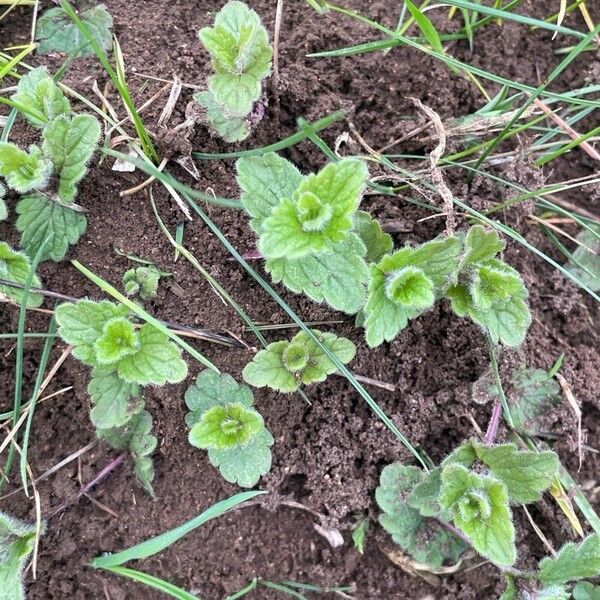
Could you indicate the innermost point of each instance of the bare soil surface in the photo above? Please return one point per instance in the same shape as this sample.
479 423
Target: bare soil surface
327 456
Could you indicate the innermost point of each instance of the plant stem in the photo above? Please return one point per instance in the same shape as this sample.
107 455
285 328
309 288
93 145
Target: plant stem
496 371
492 429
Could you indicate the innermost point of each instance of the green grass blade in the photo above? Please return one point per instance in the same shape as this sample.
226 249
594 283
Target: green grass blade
142 314
159 543
426 26
122 88
291 140
277 298
244 591
284 589
153 582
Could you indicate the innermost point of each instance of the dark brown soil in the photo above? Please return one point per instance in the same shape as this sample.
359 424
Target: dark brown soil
328 455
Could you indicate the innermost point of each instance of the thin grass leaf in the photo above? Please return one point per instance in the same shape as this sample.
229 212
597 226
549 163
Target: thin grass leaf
426 26
284 589
244 591
157 544
153 582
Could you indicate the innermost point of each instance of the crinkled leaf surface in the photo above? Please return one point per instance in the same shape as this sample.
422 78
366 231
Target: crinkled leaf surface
424 496
372 236
142 281
479 506
250 457
56 32
17 540
70 143
265 180
24 171
573 562
231 129
16 267
38 92
41 218
482 244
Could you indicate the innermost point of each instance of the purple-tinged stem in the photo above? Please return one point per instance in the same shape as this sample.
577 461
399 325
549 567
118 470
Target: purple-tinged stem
492 430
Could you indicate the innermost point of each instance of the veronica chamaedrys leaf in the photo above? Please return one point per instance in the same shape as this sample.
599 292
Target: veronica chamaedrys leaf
231 129
404 284
24 171
16 267
118 340
81 324
283 366
372 236
40 219
573 562
114 400
424 496
495 283
479 506
338 277
586 591
70 143
156 361
482 244
463 455
265 181
526 474
425 540
142 281
17 540
135 437
56 32
241 56
319 214
39 92
239 445
585 260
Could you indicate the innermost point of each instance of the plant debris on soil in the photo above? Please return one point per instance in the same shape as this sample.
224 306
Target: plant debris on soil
327 454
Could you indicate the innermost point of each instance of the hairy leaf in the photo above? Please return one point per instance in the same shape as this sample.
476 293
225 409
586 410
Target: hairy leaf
156 361
482 244
318 215
41 218
479 506
231 129
56 32
359 534
118 340
526 474
338 277
222 419
17 540
404 284
585 260
573 562
142 281
70 143
16 267
38 92
283 366
240 53
115 401
82 323
424 496
24 171
586 591
135 437
265 180
375 240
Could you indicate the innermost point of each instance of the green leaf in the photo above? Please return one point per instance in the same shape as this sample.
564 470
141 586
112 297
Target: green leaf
586 591
240 53
70 143
425 540
17 540
479 506
338 277
482 244
526 474
319 215
491 285
572 562
135 437
231 129
142 281
375 240
222 419
283 366
585 260
118 340
226 426
555 592
24 171
38 92
424 496
16 267
265 180
41 218
56 32
426 26
156 361
82 323
404 284
115 401
359 534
